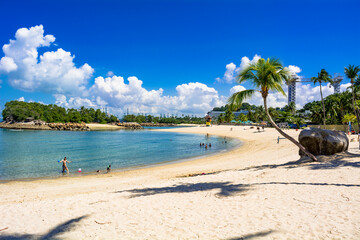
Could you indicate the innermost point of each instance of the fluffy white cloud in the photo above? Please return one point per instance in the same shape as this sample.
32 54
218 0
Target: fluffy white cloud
232 70
73 102
119 96
53 72
195 98
21 99
294 69
7 64
236 88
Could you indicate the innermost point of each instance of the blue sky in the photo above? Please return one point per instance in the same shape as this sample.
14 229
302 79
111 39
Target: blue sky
170 43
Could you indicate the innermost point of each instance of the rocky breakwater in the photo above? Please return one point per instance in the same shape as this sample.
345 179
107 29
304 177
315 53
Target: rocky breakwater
69 126
130 125
323 142
32 125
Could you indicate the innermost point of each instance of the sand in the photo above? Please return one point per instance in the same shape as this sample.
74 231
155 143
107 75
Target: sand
257 191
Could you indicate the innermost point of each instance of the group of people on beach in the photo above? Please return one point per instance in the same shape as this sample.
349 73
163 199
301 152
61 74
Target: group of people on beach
65 169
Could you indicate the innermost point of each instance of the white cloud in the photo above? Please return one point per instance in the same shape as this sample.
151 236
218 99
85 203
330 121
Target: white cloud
193 98
7 64
245 62
232 70
21 99
229 75
294 69
52 72
236 88
73 102
110 74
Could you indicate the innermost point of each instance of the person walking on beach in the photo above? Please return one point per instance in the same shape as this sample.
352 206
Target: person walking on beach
64 166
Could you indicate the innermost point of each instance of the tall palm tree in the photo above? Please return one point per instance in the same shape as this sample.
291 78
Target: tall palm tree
322 77
265 75
352 72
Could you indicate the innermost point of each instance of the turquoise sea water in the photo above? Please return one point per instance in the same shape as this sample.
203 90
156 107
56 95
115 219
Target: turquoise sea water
34 154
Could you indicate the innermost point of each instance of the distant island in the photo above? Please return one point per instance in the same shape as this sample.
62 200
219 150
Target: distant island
38 116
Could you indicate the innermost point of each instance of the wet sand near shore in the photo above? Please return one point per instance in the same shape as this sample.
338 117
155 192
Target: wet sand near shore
257 191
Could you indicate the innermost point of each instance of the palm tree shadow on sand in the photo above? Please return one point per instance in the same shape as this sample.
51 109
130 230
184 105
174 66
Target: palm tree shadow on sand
52 234
226 189
339 160
253 235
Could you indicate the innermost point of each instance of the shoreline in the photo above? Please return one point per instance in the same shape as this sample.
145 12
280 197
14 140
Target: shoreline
119 171
90 126
258 189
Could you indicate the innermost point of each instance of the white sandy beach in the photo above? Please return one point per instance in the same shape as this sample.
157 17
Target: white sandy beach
257 191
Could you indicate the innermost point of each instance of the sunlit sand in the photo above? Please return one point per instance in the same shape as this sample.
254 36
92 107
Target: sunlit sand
260 190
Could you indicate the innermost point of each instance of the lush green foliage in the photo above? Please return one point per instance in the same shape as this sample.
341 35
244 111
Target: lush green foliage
20 111
168 120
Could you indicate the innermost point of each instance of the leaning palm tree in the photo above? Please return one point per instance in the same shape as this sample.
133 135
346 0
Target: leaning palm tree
352 72
323 77
266 75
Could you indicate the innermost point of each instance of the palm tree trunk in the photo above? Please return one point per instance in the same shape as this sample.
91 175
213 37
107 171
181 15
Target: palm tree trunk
323 105
302 148
353 103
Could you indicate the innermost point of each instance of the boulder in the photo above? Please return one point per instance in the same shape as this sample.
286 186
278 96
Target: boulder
323 142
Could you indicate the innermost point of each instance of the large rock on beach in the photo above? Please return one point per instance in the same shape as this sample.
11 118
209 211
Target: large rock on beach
323 142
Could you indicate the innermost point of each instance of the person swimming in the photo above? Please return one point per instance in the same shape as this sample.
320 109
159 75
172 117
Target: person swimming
64 166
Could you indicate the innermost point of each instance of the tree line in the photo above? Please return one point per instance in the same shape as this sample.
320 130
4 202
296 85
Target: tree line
168 120
19 111
335 109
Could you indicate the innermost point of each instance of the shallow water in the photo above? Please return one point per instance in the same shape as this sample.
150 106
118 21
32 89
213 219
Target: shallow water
34 154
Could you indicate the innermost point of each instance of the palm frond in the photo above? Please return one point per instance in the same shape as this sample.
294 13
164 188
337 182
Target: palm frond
238 98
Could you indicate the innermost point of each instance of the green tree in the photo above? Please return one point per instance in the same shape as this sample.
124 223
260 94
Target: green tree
242 117
265 75
140 119
322 77
349 118
229 115
130 118
221 118
352 72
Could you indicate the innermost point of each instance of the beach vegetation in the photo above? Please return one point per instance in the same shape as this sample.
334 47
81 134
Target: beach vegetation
265 75
322 77
352 72
168 120
229 116
19 111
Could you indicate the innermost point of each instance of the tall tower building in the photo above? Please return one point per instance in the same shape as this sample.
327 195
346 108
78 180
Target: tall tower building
292 92
336 82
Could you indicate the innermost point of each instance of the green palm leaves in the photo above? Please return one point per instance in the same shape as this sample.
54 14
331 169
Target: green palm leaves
265 75
322 77
352 72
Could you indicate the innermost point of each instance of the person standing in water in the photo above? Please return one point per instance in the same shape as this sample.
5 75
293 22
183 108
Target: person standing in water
64 166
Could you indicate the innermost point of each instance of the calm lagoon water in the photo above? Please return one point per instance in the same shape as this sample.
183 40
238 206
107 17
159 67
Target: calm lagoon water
34 154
